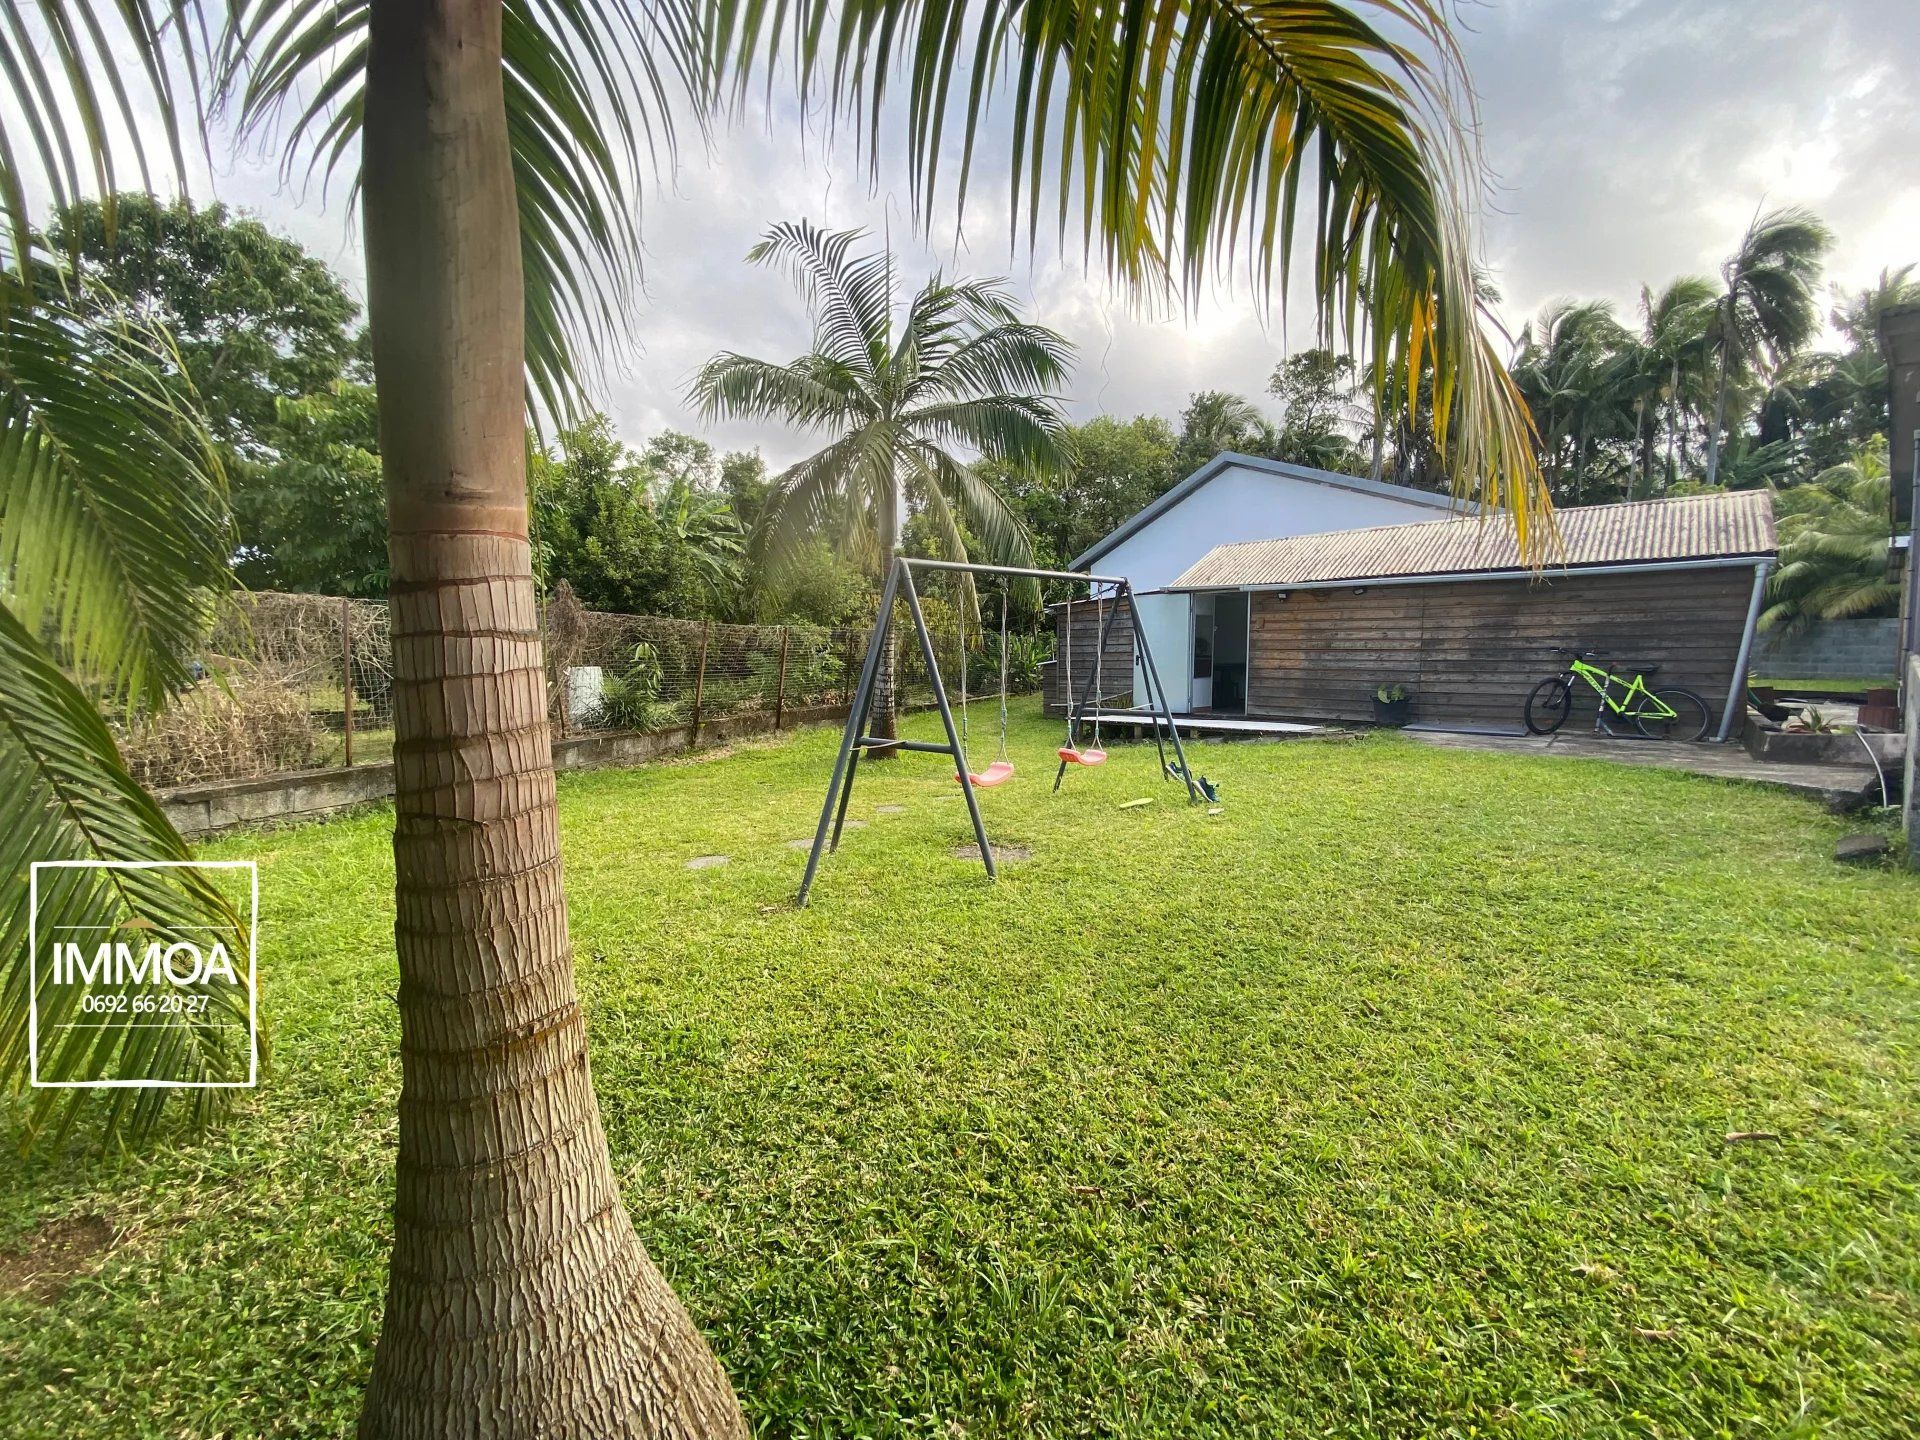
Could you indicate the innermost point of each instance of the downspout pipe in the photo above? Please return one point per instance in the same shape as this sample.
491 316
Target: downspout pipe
1737 691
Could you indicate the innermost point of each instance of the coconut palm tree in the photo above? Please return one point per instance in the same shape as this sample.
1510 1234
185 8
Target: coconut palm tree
1676 329
1834 532
895 396
1766 310
1217 420
1857 315
1568 369
493 146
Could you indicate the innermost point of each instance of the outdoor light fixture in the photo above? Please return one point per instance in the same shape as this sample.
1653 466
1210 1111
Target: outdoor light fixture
1359 589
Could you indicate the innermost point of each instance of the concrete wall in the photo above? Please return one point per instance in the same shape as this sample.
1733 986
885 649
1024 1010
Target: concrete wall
1830 650
311 794
1244 502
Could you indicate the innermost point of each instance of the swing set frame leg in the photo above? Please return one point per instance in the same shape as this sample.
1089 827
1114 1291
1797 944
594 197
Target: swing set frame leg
1156 697
1165 712
854 739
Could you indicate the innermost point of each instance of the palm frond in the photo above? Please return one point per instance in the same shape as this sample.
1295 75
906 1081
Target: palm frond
850 297
948 484
1013 356
1020 430
812 391
78 107
838 491
113 519
70 798
591 94
1183 134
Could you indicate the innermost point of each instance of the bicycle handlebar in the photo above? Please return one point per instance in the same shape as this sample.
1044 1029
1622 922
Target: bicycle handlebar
1580 654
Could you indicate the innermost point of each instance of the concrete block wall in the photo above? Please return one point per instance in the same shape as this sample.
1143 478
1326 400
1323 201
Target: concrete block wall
312 794
1830 650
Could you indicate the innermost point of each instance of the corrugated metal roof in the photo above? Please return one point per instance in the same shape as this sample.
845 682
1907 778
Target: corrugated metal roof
1692 527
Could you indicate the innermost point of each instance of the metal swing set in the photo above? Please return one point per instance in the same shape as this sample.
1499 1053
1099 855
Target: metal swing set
855 742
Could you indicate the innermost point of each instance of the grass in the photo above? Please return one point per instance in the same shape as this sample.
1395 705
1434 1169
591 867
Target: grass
1393 1101
1853 686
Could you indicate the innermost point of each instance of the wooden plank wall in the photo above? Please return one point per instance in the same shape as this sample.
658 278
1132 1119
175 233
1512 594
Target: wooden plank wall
1116 669
1470 651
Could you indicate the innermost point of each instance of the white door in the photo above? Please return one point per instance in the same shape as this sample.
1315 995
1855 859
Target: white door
1200 689
1166 626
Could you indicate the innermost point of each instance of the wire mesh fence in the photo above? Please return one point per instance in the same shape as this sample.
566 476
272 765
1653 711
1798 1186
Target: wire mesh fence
271 694
646 672
305 682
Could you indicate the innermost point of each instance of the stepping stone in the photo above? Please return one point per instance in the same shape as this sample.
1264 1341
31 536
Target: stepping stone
805 843
854 825
707 862
889 809
1861 847
1002 854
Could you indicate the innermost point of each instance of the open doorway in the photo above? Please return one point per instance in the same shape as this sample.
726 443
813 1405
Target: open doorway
1220 654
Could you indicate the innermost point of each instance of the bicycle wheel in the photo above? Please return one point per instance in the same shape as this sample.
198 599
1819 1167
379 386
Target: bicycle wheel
1549 704
1689 720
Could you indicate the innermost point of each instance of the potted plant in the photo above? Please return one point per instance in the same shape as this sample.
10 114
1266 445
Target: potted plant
1391 705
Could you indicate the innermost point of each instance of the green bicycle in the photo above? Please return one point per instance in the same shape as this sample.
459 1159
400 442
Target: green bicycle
1658 714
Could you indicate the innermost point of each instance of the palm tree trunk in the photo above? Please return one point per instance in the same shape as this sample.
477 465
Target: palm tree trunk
1719 420
1379 453
1673 424
520 1302
1643 448
1719 415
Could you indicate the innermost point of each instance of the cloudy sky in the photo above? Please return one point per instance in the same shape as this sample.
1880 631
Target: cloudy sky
1629 140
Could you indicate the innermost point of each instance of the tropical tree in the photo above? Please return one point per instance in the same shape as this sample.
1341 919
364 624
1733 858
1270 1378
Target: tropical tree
1766 310
898 396
1676 326
1857 315
1320 413
1834 532
311 513
496 143
703 535
1217 420
253 317
1570 368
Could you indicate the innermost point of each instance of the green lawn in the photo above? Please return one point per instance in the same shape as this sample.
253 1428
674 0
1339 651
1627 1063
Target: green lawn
1858 685
1391 1102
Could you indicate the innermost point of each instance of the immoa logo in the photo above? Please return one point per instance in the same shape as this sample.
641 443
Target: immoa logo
181 963
96 984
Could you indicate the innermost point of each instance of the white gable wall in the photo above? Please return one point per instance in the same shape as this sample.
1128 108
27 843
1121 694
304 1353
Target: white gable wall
1247 504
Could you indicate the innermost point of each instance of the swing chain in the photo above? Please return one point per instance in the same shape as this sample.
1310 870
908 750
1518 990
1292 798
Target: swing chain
1003 677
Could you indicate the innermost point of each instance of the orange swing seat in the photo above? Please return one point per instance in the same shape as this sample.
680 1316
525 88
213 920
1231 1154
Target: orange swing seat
1089 756
998 773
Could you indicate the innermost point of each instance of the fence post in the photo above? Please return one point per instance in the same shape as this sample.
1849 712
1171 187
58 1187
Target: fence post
780 698
700 683
346 677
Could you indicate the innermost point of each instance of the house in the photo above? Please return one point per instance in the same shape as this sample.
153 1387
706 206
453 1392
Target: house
1243 497
1305 626
1231 497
